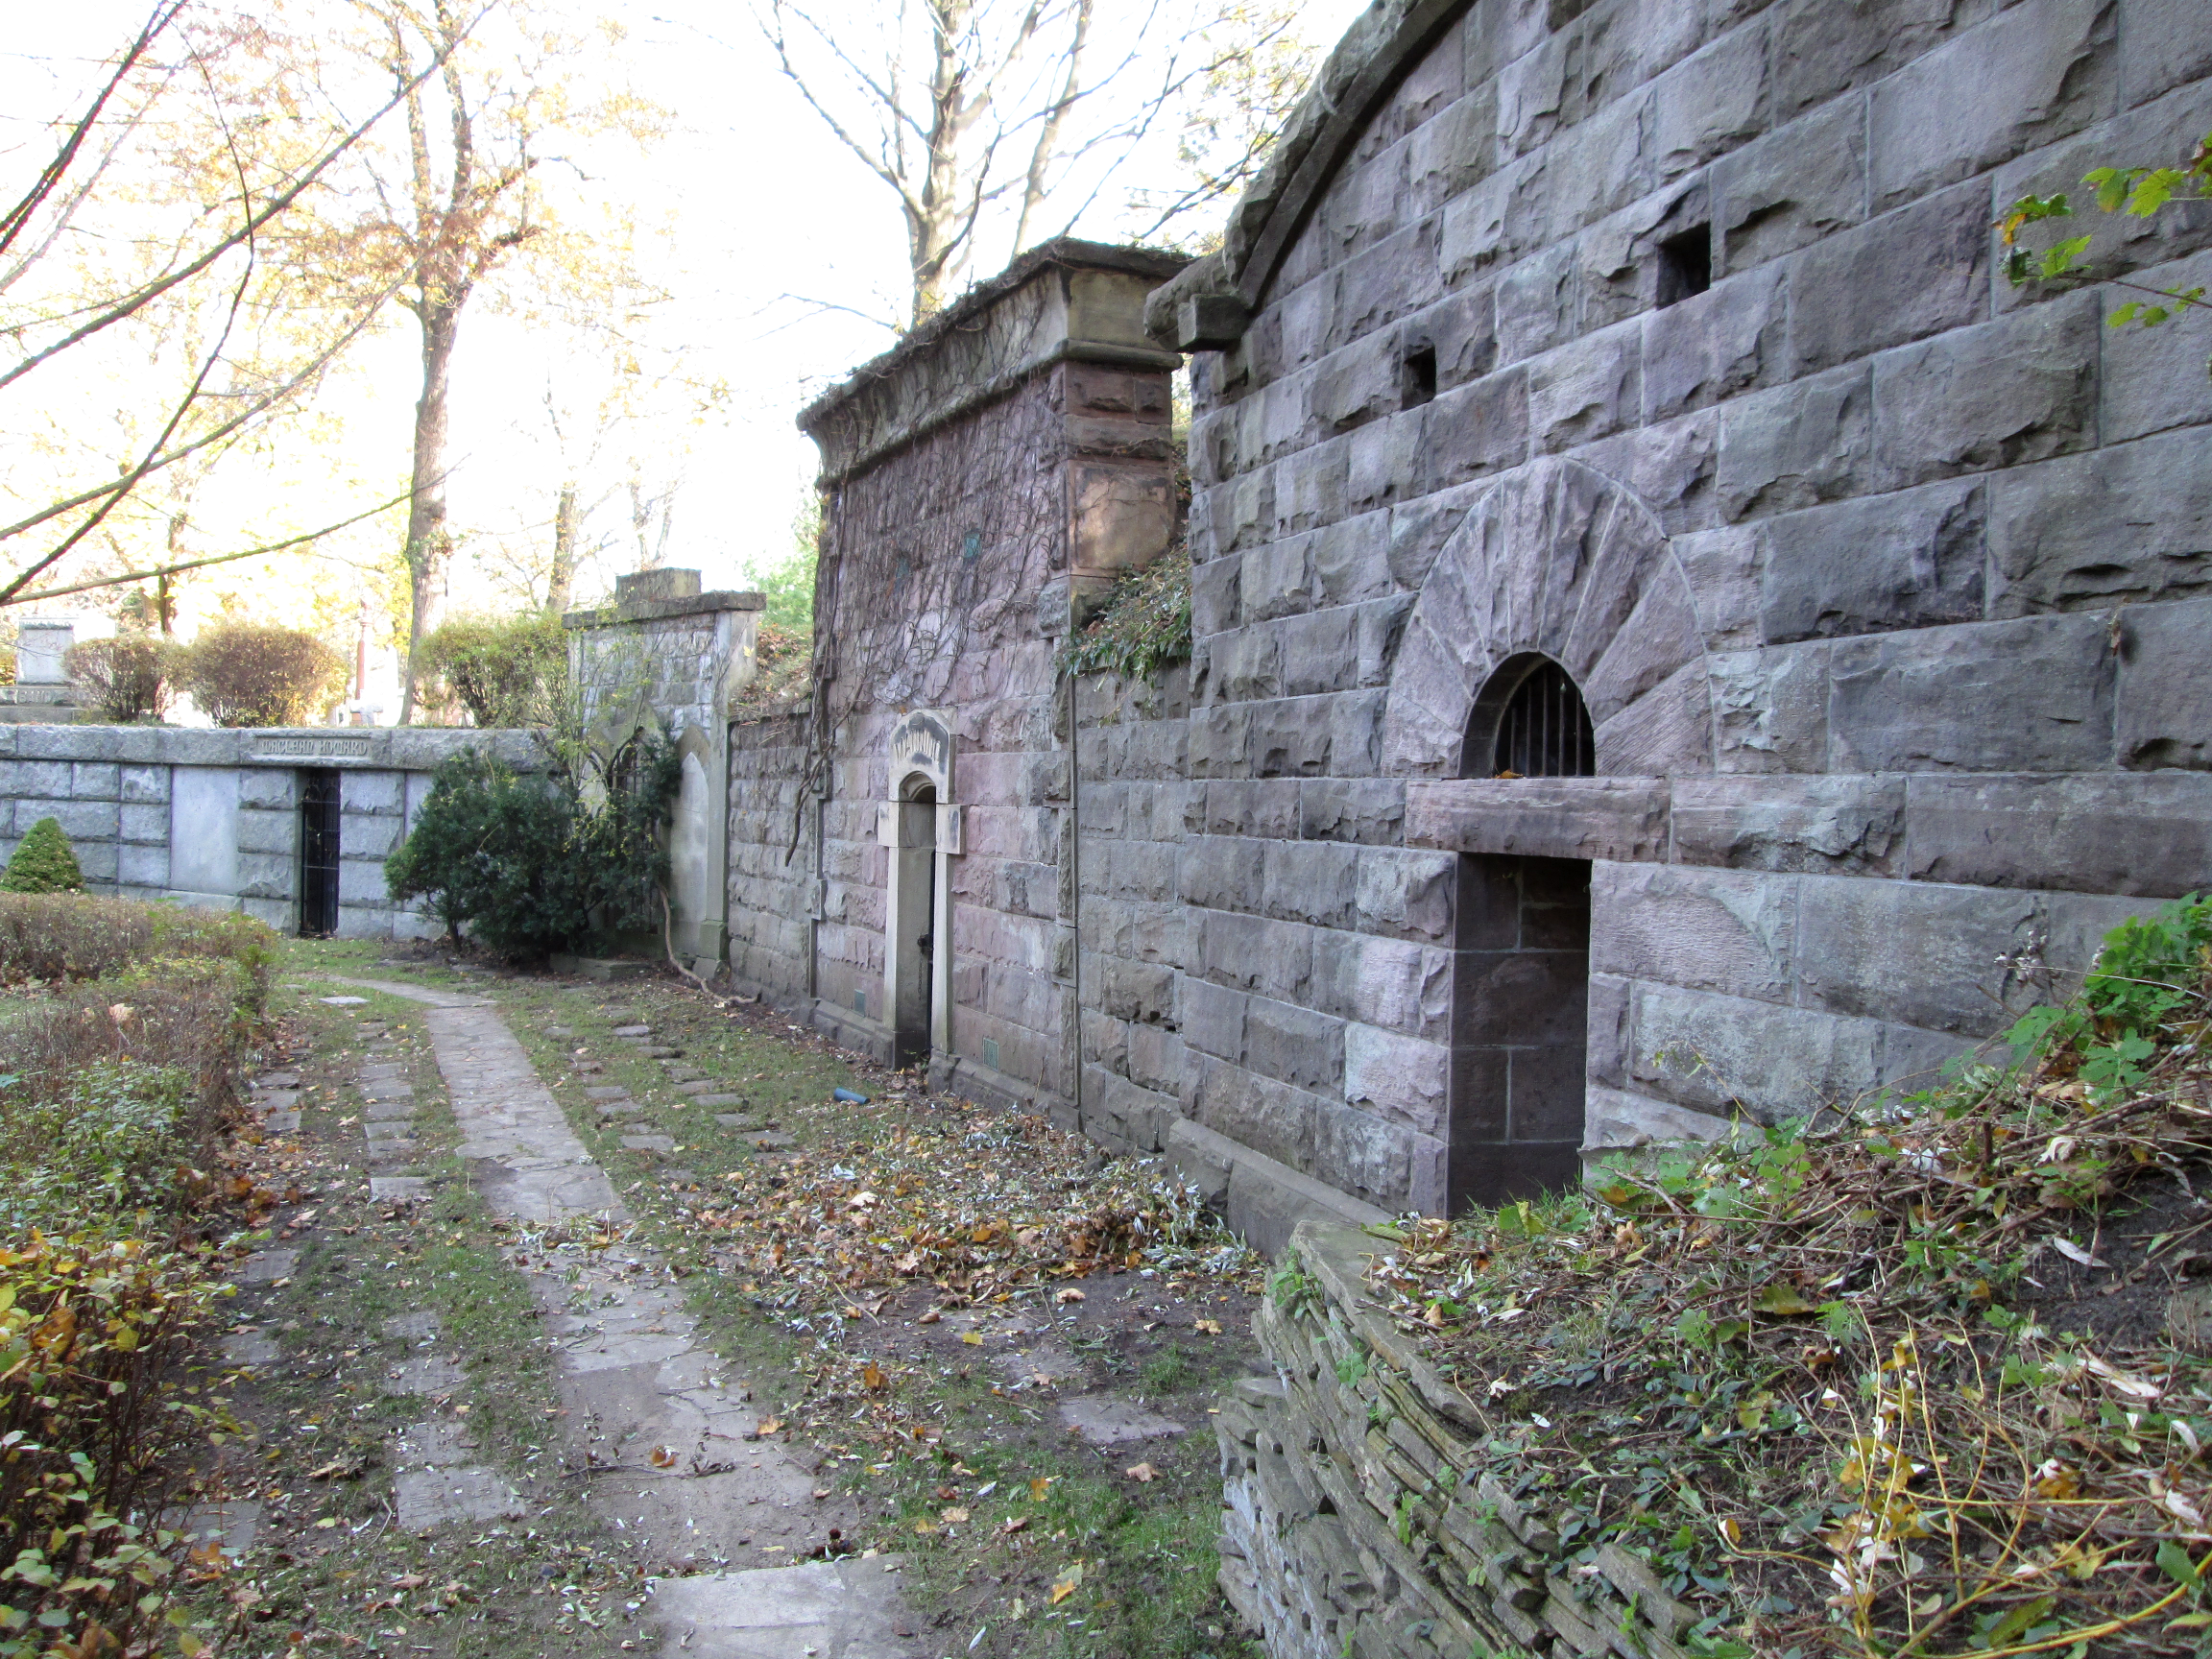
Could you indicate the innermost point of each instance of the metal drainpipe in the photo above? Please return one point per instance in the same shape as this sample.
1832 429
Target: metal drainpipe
1075 865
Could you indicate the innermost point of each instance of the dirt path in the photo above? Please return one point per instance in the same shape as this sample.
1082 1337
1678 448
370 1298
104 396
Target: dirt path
666 1438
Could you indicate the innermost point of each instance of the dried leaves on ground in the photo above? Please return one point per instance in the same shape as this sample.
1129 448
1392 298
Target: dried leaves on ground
1895 1382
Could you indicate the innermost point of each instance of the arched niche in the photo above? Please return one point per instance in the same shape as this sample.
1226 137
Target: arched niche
1558 562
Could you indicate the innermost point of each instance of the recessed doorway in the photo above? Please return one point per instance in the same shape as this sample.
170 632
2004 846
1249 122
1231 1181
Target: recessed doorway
1521 968
914 924
319 852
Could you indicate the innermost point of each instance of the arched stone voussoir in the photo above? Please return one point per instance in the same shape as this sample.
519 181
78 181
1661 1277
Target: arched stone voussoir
1561 560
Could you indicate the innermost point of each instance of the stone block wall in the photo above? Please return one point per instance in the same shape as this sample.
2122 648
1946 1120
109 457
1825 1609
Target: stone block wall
213 818
669 657
1363 1514
774 888
1881 581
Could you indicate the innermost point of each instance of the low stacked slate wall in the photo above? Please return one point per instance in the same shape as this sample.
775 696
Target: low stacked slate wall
1363 1517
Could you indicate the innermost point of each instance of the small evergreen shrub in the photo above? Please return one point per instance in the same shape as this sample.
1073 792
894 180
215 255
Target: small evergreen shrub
243 674
123 679
44 862
505 671
531 863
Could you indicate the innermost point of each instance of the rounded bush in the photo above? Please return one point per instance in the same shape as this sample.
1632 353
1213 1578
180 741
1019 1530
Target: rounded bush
44 862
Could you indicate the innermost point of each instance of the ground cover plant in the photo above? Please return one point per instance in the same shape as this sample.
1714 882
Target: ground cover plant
1924 1376
127 1027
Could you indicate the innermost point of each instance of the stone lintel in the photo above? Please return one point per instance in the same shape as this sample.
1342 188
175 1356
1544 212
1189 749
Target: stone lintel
2132 835
707 604
1622 820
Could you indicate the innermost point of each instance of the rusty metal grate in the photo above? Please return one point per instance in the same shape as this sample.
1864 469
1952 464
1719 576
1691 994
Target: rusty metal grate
1545 731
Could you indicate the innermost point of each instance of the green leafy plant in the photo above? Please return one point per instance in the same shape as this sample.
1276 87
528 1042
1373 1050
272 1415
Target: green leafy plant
1145 627
504 670
43 862
2136 192
533 862
125 678
244 674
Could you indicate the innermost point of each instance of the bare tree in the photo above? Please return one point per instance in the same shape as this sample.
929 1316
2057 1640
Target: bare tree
207 263
976 113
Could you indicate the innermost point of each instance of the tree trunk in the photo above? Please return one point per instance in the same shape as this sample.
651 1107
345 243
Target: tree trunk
428 542
563 575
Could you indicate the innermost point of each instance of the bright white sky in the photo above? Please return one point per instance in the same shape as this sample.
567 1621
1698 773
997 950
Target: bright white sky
764 204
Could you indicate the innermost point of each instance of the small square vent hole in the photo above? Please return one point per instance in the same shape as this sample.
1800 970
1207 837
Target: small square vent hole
1686 264
1418 382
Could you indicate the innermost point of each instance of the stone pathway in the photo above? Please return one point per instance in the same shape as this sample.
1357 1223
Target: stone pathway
668 1440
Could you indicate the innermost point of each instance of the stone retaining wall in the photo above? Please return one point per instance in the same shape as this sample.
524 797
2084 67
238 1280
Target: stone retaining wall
1362 1517
213 818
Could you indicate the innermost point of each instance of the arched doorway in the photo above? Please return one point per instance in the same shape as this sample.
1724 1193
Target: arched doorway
1521 975
913 931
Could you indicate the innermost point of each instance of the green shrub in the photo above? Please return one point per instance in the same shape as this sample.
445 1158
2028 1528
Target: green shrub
531 863
243 674
44 862
125 678
505 671
49 938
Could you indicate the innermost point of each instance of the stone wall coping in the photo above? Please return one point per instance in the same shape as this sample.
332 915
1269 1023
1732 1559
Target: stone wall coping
1380 49
1339 1256
1404 1459
982 346
357 748
707 604
1265 1201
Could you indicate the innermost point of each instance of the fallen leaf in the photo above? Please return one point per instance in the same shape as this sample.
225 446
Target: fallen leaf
1211 1327
1068 1583
1782 1297
336 1469
2073 1252
1143 1474
872 1376
1016 1523
971 1338
409 1582
1040 1486
663 1457
326 1522
930 1318
952 1515
768 1425
1068 1293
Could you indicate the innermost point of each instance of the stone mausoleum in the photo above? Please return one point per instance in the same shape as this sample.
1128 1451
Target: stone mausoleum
1678 635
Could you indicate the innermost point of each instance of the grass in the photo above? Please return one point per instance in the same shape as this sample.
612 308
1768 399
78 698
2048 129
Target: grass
334 1566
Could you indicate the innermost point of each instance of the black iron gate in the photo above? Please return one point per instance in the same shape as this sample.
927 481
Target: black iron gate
318 854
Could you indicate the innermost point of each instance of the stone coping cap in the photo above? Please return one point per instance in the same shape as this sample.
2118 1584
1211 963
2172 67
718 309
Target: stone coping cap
343 748
1381 46
661 610
1066 253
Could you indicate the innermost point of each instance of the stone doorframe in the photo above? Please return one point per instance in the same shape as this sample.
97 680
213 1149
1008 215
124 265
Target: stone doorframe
920 756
